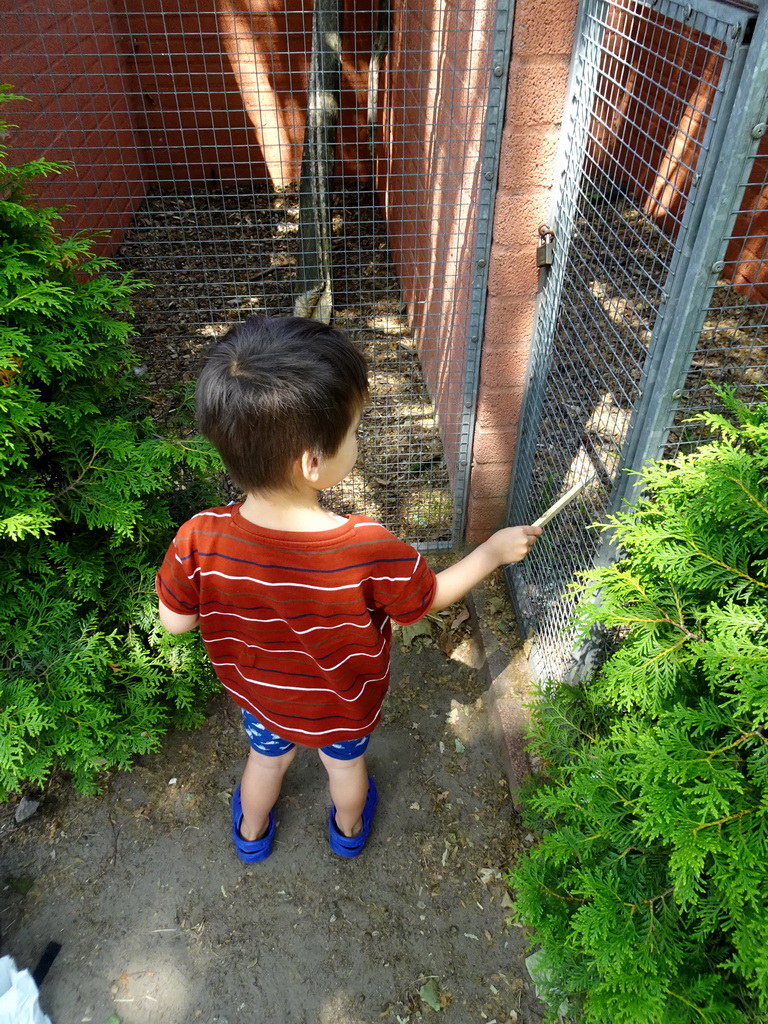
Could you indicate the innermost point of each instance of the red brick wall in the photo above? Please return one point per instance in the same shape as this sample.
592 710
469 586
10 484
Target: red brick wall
68 64
542 40
747 254
221 88
654 142
429 176
651 141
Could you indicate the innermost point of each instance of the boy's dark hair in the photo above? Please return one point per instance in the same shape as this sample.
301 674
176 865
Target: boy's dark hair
275 387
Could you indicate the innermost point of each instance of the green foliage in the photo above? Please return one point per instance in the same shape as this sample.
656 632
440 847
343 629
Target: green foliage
649 889
90 496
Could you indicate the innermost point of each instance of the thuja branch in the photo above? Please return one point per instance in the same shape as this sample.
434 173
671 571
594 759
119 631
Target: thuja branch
725 820
663 616
688 1003
736 743
73 483
559 896
649 902
723 565
749 494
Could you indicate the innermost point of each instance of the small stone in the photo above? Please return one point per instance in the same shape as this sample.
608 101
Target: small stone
26 808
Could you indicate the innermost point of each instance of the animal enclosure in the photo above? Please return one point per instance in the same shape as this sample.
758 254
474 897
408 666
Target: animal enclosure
192 132
658 285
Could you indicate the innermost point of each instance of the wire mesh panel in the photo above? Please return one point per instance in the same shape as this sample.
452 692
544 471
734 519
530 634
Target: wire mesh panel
731 347
186 124
651 87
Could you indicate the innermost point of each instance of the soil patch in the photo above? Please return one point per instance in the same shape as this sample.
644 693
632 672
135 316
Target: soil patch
159 921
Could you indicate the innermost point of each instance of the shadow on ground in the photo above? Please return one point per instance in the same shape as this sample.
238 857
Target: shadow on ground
159 921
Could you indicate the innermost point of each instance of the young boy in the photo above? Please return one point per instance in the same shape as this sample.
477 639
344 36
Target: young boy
294 603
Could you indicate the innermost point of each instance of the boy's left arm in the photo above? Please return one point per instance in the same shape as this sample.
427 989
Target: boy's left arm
174 622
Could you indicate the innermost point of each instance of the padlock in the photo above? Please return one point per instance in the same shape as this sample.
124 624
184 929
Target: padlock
545 250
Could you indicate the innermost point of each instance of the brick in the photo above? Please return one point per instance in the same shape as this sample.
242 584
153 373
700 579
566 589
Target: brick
527 158
513 272
484 516
536 90
490 479
507 319
493 445
517 219
498 407
504 367
543 27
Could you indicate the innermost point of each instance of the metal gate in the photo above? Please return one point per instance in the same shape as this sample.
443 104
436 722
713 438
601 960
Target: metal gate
184 124
658 283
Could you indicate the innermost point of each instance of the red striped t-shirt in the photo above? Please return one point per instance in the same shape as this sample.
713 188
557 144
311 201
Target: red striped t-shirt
297 624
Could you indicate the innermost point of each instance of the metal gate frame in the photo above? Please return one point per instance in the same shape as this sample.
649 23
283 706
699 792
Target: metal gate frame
489 180
713 203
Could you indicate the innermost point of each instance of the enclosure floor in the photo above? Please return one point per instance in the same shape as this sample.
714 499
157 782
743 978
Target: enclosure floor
214 257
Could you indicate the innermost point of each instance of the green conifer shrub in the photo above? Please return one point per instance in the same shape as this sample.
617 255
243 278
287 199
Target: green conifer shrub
90 495
648 891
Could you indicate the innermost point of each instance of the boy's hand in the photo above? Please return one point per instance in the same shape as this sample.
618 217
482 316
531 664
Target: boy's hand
510 545
513 543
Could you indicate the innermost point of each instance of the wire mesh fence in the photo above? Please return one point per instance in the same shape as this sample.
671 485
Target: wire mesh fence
621 311
186 125
732 346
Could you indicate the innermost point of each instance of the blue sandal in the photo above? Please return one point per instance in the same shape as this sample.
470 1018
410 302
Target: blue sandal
250 851
352 846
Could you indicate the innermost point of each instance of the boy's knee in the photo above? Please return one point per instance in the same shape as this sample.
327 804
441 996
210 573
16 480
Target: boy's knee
279 765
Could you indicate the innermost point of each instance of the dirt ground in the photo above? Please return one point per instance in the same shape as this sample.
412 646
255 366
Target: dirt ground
160 922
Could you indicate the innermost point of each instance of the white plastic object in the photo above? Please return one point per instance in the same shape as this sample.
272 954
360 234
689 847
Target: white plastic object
18 996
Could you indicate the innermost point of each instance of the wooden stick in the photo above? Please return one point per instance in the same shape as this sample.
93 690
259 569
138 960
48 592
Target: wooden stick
560 504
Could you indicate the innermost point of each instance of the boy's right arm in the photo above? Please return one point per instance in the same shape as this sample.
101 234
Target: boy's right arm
174 622
509 545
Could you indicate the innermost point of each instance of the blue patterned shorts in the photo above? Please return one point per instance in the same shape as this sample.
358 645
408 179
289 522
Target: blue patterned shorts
263 741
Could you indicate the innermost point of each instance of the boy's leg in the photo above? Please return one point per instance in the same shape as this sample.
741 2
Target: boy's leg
348 781
259 790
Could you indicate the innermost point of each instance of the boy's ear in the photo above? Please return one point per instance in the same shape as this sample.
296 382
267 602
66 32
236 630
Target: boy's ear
310 467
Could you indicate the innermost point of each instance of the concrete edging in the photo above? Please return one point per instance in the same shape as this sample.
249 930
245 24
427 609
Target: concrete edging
509 691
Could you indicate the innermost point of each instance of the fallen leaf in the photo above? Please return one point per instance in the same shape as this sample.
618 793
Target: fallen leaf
20 885
409 633
462 616
446 644
459 746
430 994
